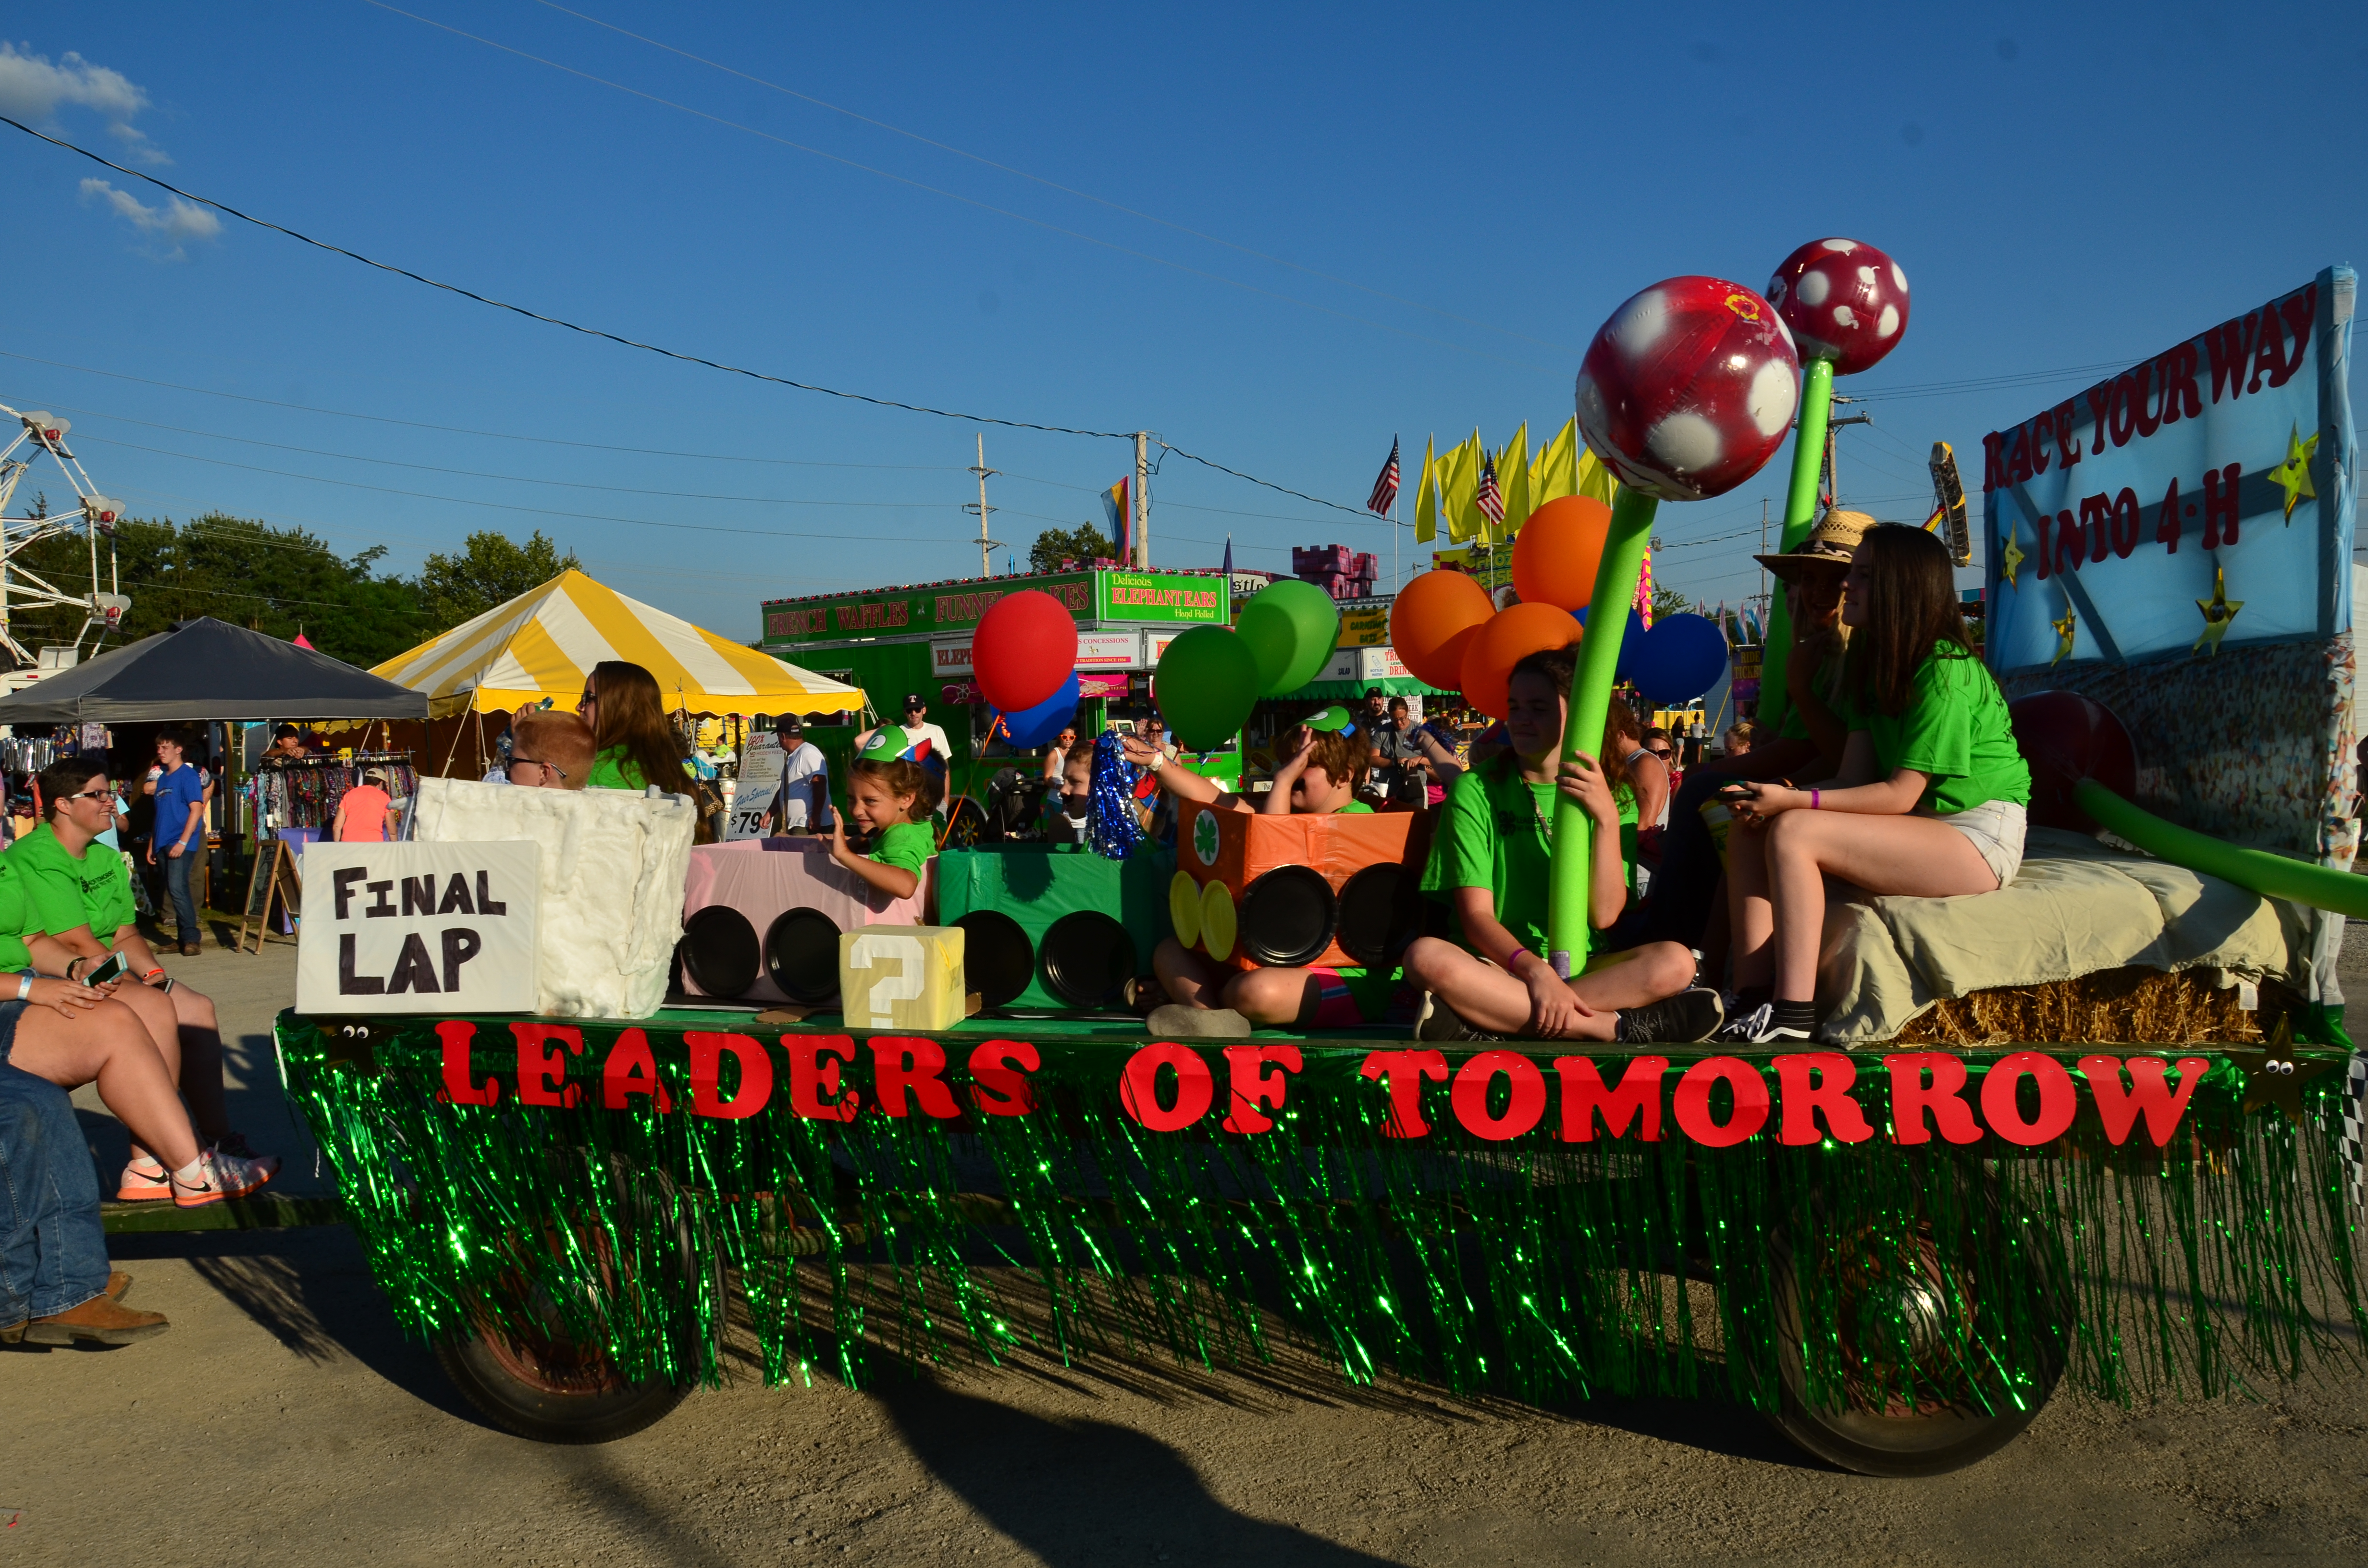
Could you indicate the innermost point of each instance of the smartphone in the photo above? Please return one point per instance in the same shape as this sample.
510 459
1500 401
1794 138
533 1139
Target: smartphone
115 966
1735 793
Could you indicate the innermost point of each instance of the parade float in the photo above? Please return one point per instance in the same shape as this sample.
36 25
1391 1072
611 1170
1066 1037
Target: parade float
1895 1244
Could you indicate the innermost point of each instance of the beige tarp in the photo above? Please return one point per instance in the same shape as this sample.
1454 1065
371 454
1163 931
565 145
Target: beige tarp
2077 908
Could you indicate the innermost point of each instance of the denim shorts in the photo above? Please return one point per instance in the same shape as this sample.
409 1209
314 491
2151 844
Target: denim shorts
1995 828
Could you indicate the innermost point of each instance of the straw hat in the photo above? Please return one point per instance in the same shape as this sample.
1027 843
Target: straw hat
1829 547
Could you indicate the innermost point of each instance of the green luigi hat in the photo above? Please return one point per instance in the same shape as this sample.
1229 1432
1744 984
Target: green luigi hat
891 744
1333 718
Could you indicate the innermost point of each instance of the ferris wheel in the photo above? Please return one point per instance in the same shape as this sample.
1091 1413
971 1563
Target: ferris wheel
94 516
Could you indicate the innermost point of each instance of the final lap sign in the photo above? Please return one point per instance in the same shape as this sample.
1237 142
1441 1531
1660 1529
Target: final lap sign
418 928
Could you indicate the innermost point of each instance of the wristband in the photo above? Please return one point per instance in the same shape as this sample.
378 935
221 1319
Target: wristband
1813 800
24 985
151 975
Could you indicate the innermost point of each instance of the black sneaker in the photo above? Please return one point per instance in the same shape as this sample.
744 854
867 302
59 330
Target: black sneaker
1440 1024
1694 1014
1758 1027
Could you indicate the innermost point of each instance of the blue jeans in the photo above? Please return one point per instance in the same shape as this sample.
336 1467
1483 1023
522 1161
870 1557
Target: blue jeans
52 1249
177 883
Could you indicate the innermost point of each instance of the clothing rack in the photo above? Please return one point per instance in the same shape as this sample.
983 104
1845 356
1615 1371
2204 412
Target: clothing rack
303 792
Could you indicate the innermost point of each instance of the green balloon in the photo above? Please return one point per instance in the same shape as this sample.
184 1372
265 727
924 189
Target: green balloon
2256 871
1206 684
1291 626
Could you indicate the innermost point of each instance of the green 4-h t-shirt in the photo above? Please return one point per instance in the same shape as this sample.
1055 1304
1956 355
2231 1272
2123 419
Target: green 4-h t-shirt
65 890
1955 729
908 845
1496 836
16 918
615 769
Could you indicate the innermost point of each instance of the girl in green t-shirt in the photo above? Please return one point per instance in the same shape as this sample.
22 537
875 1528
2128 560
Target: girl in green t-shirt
890 796
1928 802
1491 860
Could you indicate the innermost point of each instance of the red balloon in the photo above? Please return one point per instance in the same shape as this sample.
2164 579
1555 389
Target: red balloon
1689 388
1844 300
1505 640
1557 551
1025 646
2063 738
1430 613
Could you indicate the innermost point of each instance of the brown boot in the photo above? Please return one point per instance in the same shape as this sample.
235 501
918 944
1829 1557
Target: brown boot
13 1331
100 1321
118 1285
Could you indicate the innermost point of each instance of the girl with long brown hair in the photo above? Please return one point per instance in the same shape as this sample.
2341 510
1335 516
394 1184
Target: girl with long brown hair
627 713
1928 802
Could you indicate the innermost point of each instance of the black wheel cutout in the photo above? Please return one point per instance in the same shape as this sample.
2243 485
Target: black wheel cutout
1951 1288
801 954
1088 958
719 950
1287 916
1375 919
998 958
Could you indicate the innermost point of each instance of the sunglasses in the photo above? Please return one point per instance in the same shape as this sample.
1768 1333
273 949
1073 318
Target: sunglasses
1658 751
546 767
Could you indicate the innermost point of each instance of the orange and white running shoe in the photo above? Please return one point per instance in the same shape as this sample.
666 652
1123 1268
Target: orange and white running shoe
144 1181
225 1176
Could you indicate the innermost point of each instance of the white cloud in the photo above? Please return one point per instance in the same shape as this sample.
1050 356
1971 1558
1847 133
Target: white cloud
32 90
167 226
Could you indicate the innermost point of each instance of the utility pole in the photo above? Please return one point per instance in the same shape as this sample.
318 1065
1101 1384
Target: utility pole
1833 476
986 545
1763 545
1141 541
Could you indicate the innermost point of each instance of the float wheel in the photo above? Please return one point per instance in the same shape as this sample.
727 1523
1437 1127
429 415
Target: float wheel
523 1374
1946 1298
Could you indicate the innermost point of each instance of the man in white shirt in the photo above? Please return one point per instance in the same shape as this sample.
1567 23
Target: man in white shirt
803 804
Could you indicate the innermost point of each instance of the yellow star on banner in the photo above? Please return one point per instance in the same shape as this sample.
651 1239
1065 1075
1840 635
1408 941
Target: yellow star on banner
2064 629
2292 476
2218 611
2011 558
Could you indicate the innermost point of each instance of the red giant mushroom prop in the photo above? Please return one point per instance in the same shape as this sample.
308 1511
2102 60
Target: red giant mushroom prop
1688 388
1844 300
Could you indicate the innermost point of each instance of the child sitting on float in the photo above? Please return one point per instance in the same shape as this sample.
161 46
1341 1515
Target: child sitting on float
1492 859
1928 802
1327 765
1069 811
890 790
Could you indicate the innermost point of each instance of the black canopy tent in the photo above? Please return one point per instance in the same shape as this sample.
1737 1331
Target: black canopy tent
209 669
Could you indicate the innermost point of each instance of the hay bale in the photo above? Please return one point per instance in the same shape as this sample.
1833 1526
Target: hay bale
2114 1004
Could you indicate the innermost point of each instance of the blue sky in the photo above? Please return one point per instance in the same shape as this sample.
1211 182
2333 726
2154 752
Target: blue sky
1465 197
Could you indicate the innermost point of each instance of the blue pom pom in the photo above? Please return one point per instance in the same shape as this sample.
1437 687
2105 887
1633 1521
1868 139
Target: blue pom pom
1116 829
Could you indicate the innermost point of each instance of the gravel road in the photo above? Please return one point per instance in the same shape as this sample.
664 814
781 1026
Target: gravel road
284 1420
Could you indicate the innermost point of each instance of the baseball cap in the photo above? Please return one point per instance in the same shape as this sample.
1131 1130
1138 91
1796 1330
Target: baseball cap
914 700
891 744
789 724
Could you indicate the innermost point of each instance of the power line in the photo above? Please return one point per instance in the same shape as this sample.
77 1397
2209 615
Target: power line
636 342
1053 185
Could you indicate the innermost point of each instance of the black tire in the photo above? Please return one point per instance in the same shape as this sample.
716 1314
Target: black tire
1975 1413
553 1391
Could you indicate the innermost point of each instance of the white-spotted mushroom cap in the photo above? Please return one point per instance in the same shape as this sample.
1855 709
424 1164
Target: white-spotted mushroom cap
1844 300
1689 388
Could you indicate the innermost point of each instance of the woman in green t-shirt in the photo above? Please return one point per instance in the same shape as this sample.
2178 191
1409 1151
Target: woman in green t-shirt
1492 859
1928 802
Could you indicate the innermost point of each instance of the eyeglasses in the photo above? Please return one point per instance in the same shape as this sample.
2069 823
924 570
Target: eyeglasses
546 767
94 795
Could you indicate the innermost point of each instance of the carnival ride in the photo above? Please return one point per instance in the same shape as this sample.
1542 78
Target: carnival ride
92 515
1905 1253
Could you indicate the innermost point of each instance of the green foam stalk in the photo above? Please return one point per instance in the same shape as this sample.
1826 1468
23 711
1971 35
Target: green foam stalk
2258 870
1800 511
1616 575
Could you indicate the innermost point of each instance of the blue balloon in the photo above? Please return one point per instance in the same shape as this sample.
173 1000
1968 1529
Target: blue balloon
1679 660
1631 640
1034 726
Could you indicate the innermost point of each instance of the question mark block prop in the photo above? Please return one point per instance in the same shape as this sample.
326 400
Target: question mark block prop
902 977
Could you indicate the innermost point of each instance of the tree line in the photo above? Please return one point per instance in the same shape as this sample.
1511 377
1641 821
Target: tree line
280 581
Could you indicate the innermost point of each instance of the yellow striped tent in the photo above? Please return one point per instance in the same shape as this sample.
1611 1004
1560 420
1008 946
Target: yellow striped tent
543 643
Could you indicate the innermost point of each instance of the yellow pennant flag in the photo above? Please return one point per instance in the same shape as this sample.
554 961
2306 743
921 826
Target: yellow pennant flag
1459 489
1594 479
1513 479
1555 472
1426 500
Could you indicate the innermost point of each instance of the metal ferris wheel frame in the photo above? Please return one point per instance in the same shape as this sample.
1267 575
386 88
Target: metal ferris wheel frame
94 515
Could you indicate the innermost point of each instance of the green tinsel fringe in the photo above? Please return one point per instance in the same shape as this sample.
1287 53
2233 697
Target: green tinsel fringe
1866 1274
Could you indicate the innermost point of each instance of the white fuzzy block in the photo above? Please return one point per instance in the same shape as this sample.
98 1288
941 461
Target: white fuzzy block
612 875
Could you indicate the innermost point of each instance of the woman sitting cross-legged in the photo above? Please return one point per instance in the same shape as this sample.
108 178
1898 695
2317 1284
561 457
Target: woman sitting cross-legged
1493 859
1928 802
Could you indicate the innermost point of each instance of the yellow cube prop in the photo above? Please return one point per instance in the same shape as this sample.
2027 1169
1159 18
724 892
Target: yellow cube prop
902 977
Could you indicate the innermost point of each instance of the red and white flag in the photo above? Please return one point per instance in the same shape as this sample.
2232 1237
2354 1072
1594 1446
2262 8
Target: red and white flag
1491 500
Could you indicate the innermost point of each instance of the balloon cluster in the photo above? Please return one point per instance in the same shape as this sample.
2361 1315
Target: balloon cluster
1209 678
1024 656
1447 631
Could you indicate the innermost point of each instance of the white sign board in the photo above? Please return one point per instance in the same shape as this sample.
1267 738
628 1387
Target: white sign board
1109 650
760 780
418 928
950 657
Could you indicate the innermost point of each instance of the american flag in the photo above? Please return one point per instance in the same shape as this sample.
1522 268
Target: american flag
1490 500
1386 489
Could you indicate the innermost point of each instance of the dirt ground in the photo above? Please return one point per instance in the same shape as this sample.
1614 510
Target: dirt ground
284 1420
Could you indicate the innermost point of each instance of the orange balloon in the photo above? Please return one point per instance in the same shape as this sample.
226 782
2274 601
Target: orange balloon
1429 613
1504 640
1557 551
